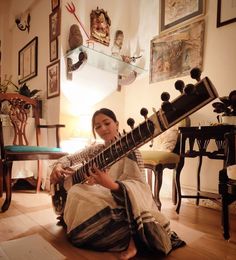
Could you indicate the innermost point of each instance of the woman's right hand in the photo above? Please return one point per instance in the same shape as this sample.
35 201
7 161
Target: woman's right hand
59 173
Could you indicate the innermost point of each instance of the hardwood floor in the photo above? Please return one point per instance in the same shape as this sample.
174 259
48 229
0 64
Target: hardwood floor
199 227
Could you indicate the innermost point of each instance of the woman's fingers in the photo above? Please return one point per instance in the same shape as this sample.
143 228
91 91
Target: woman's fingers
59 174
90 180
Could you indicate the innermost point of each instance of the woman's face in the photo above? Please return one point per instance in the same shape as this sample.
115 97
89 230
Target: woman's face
105 127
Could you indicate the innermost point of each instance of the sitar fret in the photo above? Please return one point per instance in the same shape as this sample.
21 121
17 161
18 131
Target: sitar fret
116 150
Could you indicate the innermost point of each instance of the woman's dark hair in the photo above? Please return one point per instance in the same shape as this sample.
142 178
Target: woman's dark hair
106 112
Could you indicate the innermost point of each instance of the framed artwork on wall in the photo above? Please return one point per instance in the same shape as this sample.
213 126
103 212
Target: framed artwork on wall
55 4
54 24
175 53
28 61
53 79
226 12
53 49
183 10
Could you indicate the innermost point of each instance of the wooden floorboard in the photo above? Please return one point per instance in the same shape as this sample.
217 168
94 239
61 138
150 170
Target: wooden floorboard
199 227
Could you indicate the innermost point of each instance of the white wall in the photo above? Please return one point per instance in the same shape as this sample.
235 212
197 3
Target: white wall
139 21
219 63
133 18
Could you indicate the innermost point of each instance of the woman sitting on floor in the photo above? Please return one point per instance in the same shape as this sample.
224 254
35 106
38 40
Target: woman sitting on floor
114 209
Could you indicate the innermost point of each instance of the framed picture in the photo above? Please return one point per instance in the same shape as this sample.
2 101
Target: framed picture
28 61
181 11
175 53
226 12
54 24
55 4
53 49
53 79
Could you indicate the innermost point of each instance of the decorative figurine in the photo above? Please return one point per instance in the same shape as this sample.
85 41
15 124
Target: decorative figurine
75 37
100 26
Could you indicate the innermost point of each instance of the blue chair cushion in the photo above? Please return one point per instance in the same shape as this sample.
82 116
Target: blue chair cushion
24 148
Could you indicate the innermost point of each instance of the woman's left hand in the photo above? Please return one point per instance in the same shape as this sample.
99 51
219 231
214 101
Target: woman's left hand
103 178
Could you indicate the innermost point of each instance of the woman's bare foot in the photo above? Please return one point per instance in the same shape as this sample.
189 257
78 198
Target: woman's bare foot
130 252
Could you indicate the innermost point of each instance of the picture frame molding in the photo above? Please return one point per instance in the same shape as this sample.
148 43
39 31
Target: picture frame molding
183 20
161 50
55 4
53 50
220 23
54 32
28 61
56 92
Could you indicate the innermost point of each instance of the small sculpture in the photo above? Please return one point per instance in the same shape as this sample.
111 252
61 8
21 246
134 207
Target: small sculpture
75 37
118 42
100 26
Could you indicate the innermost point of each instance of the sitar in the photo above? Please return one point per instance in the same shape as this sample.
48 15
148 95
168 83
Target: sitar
192 98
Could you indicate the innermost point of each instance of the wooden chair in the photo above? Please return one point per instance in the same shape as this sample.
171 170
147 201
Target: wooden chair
156 161
227 186
19 107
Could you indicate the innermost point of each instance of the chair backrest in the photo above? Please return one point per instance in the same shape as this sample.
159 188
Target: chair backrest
18 110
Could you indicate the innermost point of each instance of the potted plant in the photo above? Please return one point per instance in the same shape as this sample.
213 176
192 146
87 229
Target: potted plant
227 108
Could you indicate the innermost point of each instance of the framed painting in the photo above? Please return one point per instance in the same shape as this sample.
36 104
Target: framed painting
175 53
181 11
28 61
226 12
54 24
53 79
53 49
55 4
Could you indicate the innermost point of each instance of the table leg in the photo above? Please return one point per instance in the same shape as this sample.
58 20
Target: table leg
198 179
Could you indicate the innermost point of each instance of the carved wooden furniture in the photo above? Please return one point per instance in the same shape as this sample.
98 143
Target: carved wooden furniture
227 186
18 111
201 136
157 161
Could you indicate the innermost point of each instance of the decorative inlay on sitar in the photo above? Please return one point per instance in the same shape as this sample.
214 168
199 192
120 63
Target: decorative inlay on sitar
192 98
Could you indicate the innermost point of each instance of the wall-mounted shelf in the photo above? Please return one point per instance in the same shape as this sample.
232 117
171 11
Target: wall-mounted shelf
104 61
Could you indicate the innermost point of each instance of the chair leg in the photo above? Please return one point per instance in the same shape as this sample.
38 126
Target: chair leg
158 183
7 168
39 177
177 183
174 191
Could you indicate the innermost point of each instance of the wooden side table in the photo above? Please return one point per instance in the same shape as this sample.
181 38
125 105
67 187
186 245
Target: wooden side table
201 136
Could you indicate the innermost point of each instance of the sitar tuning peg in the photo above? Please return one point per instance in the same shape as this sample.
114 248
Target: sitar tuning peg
166 105
179 85
195 73
131 122
165 96
189 89
144 112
